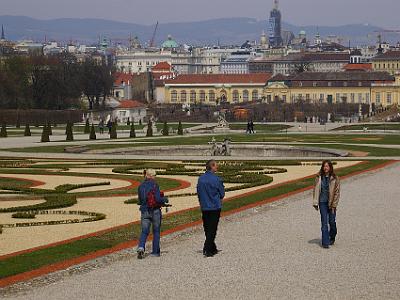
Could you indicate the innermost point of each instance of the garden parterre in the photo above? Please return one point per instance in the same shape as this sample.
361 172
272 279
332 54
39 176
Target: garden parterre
102 190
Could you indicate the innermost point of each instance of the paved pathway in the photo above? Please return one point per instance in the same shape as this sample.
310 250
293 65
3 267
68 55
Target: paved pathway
271 252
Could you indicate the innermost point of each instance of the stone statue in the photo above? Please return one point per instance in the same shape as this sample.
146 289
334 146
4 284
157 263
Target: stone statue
220 149
222 125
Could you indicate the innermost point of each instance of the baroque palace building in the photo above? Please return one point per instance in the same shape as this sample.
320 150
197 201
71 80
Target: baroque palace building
378 88
215 88
388 62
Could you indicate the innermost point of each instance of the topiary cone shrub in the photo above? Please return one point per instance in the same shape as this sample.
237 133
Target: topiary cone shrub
69 132
180 128
149 132
49 130
165 129
27 131
3 131
87 127
113 133
128 122
132 133
45 135
92 135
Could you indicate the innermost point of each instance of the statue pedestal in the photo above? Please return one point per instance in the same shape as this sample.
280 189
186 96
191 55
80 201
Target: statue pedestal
221 129
153 127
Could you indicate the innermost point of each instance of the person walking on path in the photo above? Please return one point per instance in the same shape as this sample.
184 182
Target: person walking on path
211 192
101 126
251 127
150 200
325 199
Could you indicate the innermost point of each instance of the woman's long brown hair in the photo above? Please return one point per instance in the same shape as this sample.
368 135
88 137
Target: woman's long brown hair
331 171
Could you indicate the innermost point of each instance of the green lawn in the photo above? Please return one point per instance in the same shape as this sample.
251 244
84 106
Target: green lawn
388 139
370 126
36 259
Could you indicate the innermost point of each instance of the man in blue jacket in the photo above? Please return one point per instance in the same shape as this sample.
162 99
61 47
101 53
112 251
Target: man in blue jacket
211 192
150 212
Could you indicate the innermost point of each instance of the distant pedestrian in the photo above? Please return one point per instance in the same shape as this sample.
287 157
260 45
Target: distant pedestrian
211 192
251 127
109 126
101 126
248 131
326 198
150 200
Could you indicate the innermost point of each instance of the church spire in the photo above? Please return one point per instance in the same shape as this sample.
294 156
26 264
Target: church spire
3 37
276 4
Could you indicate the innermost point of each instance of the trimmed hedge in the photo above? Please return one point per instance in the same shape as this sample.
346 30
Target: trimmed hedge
52 202
24 215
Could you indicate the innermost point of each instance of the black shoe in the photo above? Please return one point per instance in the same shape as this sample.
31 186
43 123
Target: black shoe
208 254
325 246
140 254
332 242
216 252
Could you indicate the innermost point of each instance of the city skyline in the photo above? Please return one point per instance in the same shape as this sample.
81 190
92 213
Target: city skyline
382 13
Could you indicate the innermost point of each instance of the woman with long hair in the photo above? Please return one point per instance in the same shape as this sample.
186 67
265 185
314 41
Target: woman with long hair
325 199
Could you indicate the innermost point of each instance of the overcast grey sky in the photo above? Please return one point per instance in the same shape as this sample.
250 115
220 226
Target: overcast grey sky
298 12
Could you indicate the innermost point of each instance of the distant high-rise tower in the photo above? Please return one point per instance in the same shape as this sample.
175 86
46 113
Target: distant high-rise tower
3 36
275 26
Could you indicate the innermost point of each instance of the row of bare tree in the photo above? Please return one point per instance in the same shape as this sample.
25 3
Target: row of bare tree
53 82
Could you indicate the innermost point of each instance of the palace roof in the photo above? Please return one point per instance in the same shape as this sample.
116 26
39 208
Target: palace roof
260 78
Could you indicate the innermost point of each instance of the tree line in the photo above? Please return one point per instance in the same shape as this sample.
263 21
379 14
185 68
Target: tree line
53 82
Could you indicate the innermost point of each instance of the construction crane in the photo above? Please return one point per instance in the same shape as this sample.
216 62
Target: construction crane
380 33
153 38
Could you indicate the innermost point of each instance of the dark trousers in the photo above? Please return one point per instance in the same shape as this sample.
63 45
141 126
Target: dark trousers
210 225
328 223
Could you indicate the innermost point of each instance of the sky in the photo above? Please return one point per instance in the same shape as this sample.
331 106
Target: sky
298 12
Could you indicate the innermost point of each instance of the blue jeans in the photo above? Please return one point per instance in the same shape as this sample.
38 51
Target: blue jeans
327 217
151 217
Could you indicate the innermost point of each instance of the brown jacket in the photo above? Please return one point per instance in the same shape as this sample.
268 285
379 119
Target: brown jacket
334 191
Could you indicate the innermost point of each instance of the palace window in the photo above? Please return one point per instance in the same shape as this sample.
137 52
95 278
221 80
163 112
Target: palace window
202 96
378 98
245 95
352 97
389 98
254 95
235 96
359 98
192 96
183 96
211 96
174 96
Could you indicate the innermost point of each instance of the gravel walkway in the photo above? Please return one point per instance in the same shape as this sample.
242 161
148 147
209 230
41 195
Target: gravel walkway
271 252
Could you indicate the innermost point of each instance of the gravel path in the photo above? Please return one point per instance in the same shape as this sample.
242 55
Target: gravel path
271 252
